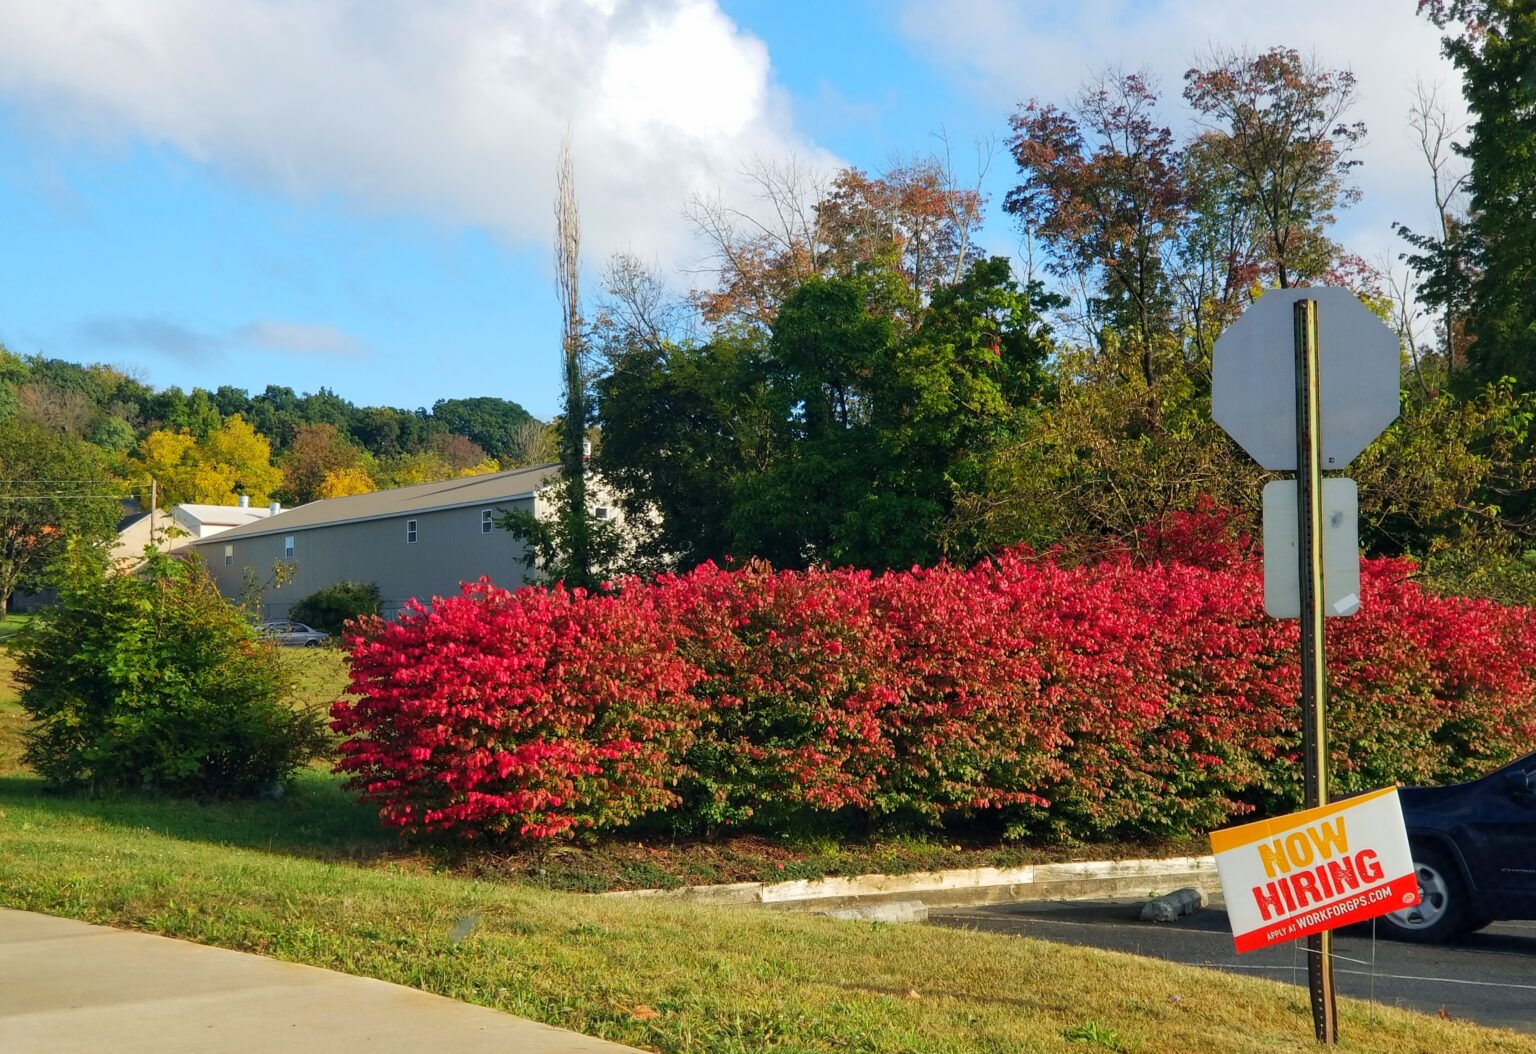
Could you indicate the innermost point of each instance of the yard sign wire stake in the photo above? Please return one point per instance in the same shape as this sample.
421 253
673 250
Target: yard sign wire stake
1373 969
1314 676
1295 963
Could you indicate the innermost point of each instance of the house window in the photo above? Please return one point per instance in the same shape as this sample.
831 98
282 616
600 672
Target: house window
410 532
229 556
485 521
287 547
601 512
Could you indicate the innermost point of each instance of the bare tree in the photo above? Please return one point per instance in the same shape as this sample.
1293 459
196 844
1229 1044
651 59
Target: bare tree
965 219
57 409
638 309
1404 294
1437 140
533 443
573 430
758 256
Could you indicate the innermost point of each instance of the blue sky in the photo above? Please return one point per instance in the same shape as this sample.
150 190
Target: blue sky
356 194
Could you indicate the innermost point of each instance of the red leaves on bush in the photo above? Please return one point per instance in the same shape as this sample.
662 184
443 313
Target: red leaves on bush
538 712
1105 699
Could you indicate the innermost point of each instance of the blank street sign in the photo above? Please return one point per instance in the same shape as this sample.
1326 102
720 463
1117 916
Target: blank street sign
1341 548
1253 377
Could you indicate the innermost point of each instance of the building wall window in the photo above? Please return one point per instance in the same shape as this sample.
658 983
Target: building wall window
287 547
601 512
410 532
229 556
486 521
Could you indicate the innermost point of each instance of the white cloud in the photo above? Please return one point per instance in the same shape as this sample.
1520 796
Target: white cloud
455 106
1008 51
297 338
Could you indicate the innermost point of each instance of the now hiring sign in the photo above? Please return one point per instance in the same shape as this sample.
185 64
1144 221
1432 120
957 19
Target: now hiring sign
1315 870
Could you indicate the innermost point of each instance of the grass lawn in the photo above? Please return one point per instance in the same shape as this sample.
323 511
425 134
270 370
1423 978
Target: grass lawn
664 977
310 879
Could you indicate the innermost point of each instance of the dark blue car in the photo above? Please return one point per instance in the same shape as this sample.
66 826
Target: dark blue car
1474 846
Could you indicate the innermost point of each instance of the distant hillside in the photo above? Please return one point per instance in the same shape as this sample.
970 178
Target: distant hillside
215 446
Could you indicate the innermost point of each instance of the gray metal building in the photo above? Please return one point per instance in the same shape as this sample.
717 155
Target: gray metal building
420 541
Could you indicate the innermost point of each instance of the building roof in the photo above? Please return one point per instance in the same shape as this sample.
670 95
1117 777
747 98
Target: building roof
485 489
222 515
129 519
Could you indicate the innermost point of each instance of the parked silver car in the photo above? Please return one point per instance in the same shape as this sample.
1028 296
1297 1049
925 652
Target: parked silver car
294 634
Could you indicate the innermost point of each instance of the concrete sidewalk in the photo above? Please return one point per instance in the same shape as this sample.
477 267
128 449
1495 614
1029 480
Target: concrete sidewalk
70 988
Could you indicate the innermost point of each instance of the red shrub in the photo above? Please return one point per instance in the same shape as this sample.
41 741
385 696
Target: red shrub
1110 698
794 681
537 712
1165 678
969 726
1427 688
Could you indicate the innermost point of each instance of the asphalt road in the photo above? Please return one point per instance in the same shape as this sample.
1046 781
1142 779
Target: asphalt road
1487 977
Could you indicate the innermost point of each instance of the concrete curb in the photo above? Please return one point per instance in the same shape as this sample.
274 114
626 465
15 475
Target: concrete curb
962 888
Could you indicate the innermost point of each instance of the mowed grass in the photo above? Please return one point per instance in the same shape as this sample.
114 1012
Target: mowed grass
310 879
663 977
11 624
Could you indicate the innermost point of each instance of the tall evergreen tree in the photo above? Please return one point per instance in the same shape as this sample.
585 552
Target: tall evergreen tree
1493 44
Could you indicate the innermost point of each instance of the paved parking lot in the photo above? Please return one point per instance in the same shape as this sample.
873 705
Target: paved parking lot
1487 977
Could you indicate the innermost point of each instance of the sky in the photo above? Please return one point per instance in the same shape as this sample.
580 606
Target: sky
358 194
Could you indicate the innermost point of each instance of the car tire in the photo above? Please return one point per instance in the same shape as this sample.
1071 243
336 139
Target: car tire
1442 911
311 644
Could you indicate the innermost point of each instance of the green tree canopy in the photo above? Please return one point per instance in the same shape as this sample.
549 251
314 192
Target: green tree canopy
1493 44
491 422
53 488
680 425
845 437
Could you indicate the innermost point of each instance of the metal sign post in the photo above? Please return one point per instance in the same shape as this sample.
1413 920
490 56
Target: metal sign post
1314 679
1341 404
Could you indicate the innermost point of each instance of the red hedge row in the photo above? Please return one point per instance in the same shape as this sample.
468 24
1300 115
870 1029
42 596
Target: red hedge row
1103 699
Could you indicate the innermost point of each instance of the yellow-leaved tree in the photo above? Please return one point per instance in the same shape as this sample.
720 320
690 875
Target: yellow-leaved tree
480 468
342 482
235 459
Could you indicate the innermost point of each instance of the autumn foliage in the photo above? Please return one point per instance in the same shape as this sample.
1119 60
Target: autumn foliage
1113 698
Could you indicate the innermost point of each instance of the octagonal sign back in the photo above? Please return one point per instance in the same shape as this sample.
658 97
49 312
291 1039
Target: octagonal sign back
1253 377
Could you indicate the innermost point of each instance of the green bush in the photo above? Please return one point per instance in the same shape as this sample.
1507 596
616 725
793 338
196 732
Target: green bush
149 679
330 608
